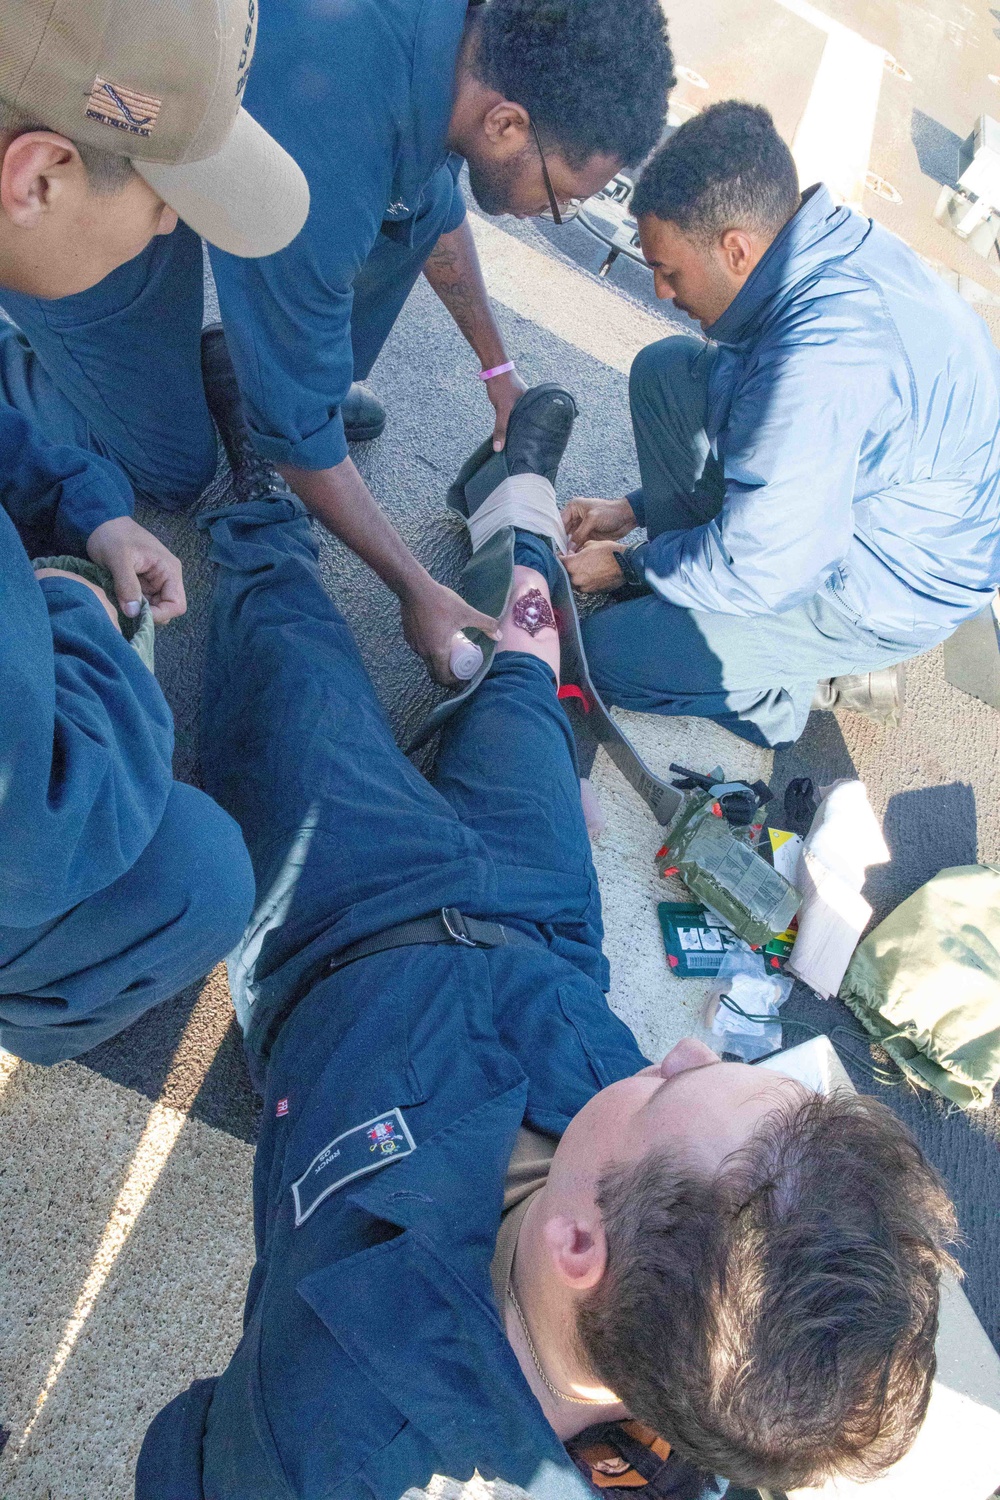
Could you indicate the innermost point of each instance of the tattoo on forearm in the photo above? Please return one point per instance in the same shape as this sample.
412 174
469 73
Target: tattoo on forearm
454 274
457 291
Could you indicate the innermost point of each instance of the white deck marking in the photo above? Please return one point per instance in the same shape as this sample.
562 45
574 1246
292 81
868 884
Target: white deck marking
833 141
188 1068
158 1140
569 303
9 1065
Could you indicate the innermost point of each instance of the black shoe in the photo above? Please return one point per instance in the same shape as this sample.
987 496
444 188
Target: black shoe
538 430
253 477
537 433
363 414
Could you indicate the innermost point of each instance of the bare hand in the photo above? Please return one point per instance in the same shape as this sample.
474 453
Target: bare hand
140 565
431 618
95 588
595 569
504 391
597 520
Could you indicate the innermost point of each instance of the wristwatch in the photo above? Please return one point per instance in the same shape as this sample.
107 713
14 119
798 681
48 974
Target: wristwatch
631 563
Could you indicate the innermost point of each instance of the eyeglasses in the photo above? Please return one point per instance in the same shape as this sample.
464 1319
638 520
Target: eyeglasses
572 206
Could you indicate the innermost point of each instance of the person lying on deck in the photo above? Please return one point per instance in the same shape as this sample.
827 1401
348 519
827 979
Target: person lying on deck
484 1222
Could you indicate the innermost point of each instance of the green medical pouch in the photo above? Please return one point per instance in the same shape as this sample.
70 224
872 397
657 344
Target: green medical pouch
695 941
926 984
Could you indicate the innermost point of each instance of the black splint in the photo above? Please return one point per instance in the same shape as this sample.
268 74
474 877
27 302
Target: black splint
538 431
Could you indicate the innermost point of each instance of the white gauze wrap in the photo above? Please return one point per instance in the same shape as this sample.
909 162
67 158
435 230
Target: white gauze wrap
527 501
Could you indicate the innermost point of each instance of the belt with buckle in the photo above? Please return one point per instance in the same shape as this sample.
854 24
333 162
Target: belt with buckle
448 925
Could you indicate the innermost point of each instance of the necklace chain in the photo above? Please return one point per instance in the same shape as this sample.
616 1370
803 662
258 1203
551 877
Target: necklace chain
553 1389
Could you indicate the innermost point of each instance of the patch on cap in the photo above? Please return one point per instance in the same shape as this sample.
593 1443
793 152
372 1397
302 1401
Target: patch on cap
124 108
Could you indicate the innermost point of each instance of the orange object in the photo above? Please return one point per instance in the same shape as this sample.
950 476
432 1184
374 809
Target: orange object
648 1438
609 1470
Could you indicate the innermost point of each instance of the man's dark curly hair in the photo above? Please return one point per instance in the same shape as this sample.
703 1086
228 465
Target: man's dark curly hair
727 168
594 75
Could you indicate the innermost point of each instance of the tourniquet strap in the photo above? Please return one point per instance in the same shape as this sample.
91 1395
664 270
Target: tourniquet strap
445 926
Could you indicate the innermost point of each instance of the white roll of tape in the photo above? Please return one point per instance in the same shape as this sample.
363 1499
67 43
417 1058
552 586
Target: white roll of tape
466 657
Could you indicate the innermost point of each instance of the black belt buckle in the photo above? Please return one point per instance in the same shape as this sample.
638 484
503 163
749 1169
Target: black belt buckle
454 926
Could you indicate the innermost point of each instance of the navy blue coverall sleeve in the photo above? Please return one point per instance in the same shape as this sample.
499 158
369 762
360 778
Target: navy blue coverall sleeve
339 105
56 495
86 736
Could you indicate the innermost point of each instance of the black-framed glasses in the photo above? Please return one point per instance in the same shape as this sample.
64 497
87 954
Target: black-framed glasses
572 206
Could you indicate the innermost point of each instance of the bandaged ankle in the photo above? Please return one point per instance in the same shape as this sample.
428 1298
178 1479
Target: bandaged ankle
524 501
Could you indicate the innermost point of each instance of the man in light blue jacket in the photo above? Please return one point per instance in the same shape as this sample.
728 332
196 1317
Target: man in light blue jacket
820 482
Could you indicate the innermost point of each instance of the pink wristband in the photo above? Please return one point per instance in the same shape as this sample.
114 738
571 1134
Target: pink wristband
497 370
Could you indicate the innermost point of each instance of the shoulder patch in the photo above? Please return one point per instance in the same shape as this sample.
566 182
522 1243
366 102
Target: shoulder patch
377 1143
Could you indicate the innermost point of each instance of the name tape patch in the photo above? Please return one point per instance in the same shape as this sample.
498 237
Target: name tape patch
356 1152
124 108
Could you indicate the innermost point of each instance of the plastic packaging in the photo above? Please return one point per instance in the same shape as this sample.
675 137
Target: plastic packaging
466 657
695 940
743 1005
721 868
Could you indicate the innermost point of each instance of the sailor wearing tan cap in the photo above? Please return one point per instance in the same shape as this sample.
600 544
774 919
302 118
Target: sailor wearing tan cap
118 885
116 118
379 101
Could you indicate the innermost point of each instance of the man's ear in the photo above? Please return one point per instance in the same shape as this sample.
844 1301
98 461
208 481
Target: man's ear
739 252
506 126
577 1249
38 168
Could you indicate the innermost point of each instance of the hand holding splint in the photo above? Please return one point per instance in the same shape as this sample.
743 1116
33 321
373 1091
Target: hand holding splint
140 565
431 618
594 569
597 520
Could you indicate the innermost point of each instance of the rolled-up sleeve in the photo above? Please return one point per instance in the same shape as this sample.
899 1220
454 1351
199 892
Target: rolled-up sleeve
56 495
457 213
288 316
85 744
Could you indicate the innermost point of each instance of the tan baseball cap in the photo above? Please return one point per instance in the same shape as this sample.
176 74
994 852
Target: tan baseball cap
160 81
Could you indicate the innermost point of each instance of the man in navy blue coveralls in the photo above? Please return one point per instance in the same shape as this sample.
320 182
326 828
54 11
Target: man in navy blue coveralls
118 885
395 1325
373 1355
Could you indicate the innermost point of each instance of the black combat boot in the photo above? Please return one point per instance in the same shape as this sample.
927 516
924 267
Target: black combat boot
254 477
363 414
